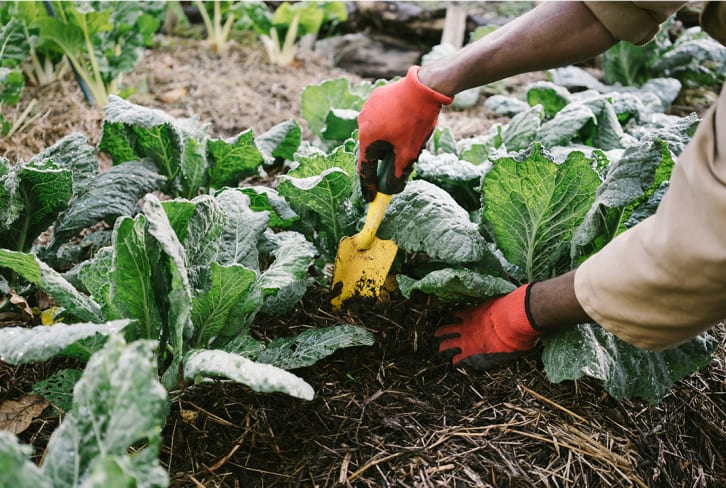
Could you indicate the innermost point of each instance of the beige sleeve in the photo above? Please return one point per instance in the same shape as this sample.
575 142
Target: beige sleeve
636 22
663 281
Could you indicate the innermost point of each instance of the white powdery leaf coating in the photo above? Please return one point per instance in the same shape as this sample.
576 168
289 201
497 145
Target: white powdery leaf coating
425 218
260 377
19 345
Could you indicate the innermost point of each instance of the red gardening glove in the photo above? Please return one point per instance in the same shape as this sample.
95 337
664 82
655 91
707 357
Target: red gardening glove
491 334
397 118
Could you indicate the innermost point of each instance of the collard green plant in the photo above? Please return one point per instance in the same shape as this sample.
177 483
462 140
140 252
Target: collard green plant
102 40
61 187
694 58
184 154
118 404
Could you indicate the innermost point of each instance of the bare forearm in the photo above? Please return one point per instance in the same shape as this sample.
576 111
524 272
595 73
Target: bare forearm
553 304
551 35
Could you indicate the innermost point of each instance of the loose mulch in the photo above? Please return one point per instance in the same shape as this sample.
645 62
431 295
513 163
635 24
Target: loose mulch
393 414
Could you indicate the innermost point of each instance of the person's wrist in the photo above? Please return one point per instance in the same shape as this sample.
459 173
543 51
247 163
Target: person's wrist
425 89
436 79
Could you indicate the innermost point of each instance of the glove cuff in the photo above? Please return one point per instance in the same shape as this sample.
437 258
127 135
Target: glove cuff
424 90
520 332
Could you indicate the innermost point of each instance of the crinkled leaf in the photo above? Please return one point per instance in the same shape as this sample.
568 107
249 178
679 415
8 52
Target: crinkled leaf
628 372
565 125
309 347
626 181
14 47
22 345
281 141
114 193
15 464
118 404
76 154
318 100
446 169
263 378
550 96
522 129
425 218
534 205
171 283
132 132
40 274
325 199
455 284
315 163
286 280
242 230
231 160
58 388
211 309
266 199
131 287
201 240
95 275
34 193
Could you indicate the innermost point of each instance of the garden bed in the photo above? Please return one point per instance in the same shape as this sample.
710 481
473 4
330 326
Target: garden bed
395 413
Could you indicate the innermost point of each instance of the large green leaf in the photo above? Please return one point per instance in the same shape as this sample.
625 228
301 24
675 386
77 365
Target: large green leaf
22 345
242 231
285 282
118 404
132 132
15 464
263 378
309 347
266 199
324 198
75 153
211 309
455 284
318 100
171 282
40 274
230 160
626 181
424 218
281 141
626 370
33 195
114 193
534 205
201 241
131 290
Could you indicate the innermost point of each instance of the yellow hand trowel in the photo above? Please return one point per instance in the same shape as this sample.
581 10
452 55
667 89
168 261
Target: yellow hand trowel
363 260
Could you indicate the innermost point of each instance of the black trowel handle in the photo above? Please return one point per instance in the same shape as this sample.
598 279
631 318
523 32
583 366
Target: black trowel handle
386 172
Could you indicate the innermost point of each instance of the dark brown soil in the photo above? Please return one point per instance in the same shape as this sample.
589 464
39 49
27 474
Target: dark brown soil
394 414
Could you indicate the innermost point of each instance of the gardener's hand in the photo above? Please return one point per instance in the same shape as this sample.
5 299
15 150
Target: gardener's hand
397 118
491 334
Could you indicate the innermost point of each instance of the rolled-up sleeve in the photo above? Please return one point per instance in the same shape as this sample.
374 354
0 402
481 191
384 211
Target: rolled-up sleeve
663 281
636 22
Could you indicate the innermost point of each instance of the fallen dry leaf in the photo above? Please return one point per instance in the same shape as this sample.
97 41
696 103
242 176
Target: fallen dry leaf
17 415
173 96
22 304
